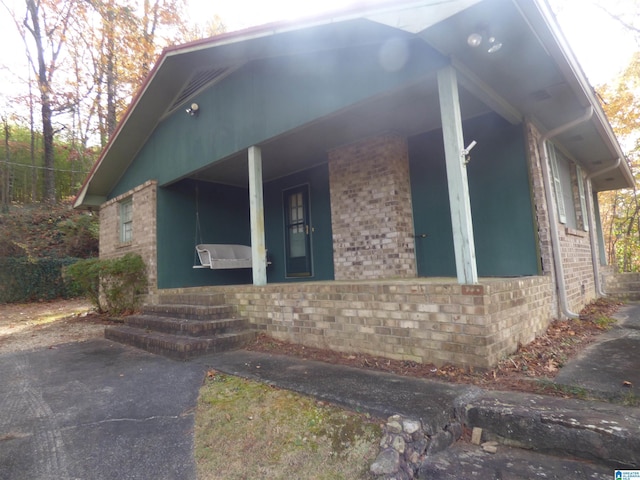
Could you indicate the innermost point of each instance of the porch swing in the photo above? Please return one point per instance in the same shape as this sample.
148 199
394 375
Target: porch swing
218 256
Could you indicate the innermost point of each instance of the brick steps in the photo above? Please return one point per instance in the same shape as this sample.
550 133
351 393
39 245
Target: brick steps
185 326
182 330
190 312
206 299
180 347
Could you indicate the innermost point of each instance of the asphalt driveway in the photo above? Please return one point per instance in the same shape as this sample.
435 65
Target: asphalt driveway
96 410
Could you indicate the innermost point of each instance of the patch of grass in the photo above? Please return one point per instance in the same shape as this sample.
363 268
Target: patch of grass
604 323
251 430
630 399
546 386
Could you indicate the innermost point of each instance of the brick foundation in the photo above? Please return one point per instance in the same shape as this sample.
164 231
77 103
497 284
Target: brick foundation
371 211
416 320
144 228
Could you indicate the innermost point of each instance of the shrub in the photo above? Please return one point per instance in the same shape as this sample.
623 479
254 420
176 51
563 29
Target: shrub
85 276
114 285
30 279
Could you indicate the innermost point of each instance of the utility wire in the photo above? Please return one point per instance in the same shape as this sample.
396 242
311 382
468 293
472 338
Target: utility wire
41 168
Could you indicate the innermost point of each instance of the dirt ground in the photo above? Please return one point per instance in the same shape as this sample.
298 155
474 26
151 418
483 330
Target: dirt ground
28 326
530 369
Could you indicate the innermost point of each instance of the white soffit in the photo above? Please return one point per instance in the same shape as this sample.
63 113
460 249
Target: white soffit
418 16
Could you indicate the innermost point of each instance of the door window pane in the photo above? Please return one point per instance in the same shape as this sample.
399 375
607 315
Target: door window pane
297 245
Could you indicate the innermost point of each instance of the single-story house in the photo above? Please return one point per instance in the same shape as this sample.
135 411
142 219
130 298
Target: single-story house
414 179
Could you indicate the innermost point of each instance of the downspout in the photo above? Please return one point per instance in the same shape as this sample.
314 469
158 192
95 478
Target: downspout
592 230
553 224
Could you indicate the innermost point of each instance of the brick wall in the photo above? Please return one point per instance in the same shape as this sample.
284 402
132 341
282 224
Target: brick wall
415 320
575 245
371 212
578 268
144 228
625 286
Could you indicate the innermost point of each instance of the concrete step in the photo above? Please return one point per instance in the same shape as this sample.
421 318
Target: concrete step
602 432
190 312
179 347
188 327
205 299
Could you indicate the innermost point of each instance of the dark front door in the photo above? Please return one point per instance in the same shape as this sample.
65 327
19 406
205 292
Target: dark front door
297 232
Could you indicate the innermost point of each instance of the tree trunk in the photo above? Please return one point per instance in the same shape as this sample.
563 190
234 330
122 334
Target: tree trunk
32 147
6 183
111 70
49 193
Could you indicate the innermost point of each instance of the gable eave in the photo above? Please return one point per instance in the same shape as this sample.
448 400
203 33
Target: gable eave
362 24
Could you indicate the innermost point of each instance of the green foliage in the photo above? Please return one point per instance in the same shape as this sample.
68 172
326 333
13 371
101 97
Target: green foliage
620 209
71 162
81 234
28 280
113 285
85 276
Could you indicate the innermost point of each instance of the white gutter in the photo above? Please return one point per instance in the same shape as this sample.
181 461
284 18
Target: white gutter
592 230
553 224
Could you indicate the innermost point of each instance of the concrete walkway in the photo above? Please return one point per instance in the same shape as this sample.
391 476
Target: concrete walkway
96 410
603 367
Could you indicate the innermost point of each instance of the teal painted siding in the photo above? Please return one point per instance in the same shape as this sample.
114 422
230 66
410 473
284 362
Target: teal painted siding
266 98
499 187
224 218
317 179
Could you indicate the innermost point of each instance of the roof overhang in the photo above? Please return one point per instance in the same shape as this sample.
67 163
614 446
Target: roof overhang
534 75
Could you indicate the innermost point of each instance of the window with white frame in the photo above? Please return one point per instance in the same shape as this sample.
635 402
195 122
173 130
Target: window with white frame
126 221
572 210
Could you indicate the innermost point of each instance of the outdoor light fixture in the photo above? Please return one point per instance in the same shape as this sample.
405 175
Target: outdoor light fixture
193 109
492 43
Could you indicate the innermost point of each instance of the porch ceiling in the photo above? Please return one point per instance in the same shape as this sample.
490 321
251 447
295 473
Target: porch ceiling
533 75
407 111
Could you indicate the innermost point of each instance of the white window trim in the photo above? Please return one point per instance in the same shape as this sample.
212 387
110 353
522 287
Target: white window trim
551 151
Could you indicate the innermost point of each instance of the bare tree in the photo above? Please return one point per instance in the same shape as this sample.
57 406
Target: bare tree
47 22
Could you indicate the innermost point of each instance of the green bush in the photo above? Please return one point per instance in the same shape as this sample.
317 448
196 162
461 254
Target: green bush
30 279
114 285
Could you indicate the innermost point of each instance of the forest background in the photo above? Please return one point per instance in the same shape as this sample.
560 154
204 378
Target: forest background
83 61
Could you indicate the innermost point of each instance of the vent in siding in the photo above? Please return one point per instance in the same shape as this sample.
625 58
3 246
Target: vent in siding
198 81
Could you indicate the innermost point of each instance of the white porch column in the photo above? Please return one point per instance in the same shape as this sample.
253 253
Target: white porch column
256 214
463 243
